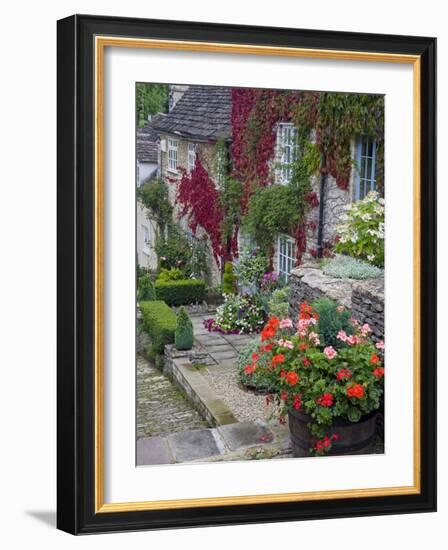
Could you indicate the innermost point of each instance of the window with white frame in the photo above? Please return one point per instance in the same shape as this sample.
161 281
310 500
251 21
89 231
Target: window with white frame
286 152
366 164
172 154
191 156
286 255
145 238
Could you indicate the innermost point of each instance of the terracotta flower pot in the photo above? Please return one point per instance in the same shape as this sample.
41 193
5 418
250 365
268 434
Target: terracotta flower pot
355 438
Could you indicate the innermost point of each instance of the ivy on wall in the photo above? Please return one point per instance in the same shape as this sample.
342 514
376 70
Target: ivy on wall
325 125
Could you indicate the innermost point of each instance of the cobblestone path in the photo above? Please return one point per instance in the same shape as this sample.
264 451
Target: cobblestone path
161 407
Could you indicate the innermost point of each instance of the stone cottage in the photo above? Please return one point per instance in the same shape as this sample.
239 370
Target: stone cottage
199 118
147 168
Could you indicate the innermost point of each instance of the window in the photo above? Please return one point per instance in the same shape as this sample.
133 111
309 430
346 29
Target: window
286 255
191 156
366 162
145 238
286 152
172 154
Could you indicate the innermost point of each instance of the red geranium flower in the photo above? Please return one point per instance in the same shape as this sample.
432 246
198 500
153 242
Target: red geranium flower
280 358
306 362
283 373
303 346
249 369
292 378
297 401
343 374
283 395
355 390
378 372
325 400
267 347
374 359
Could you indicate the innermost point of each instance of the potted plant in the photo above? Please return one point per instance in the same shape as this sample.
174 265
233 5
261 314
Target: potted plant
328 382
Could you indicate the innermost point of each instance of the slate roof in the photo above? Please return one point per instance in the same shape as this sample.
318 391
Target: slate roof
147 139
202 113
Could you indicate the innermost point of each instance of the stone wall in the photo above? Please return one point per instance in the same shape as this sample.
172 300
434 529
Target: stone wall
368 305
364 298
179 366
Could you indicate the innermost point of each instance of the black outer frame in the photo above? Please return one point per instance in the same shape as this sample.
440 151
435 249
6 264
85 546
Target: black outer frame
75 173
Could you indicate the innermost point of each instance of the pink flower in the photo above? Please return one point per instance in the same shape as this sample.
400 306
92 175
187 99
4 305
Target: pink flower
365 329
285 323
379 345
353 339
355 322
314 337
342 335
330 352
286 343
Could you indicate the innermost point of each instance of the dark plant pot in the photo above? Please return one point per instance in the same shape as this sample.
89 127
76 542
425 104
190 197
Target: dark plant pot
355 438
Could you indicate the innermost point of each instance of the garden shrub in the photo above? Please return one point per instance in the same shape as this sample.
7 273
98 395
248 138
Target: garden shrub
173 274
228 279
159 321
361 231
145 289
251 267
277 303
347 267
177 293
332 319
183 335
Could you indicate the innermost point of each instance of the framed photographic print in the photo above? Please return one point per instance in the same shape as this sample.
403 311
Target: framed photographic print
246 274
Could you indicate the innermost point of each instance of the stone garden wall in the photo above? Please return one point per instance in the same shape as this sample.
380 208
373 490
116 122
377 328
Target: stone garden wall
364 298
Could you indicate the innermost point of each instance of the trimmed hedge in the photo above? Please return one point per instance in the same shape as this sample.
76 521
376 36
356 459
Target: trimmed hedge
159 321
182 292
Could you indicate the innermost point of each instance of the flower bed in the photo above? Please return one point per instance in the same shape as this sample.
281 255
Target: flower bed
343 380
237 315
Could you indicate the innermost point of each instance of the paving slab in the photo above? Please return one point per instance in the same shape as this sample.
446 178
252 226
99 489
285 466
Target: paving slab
210 340
153 450
222 355
245 434
219 348
193 445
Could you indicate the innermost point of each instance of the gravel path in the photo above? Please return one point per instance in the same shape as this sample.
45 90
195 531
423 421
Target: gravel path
244 405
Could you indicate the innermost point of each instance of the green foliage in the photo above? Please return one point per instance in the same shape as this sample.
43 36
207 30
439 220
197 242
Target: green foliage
231 193
150 100
154 196
347 267
180 292
257 379
228 279
183 335
145 289
277 304
361 230
197 265
159 321
332 319
250 267
173 250
280 208
173 274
